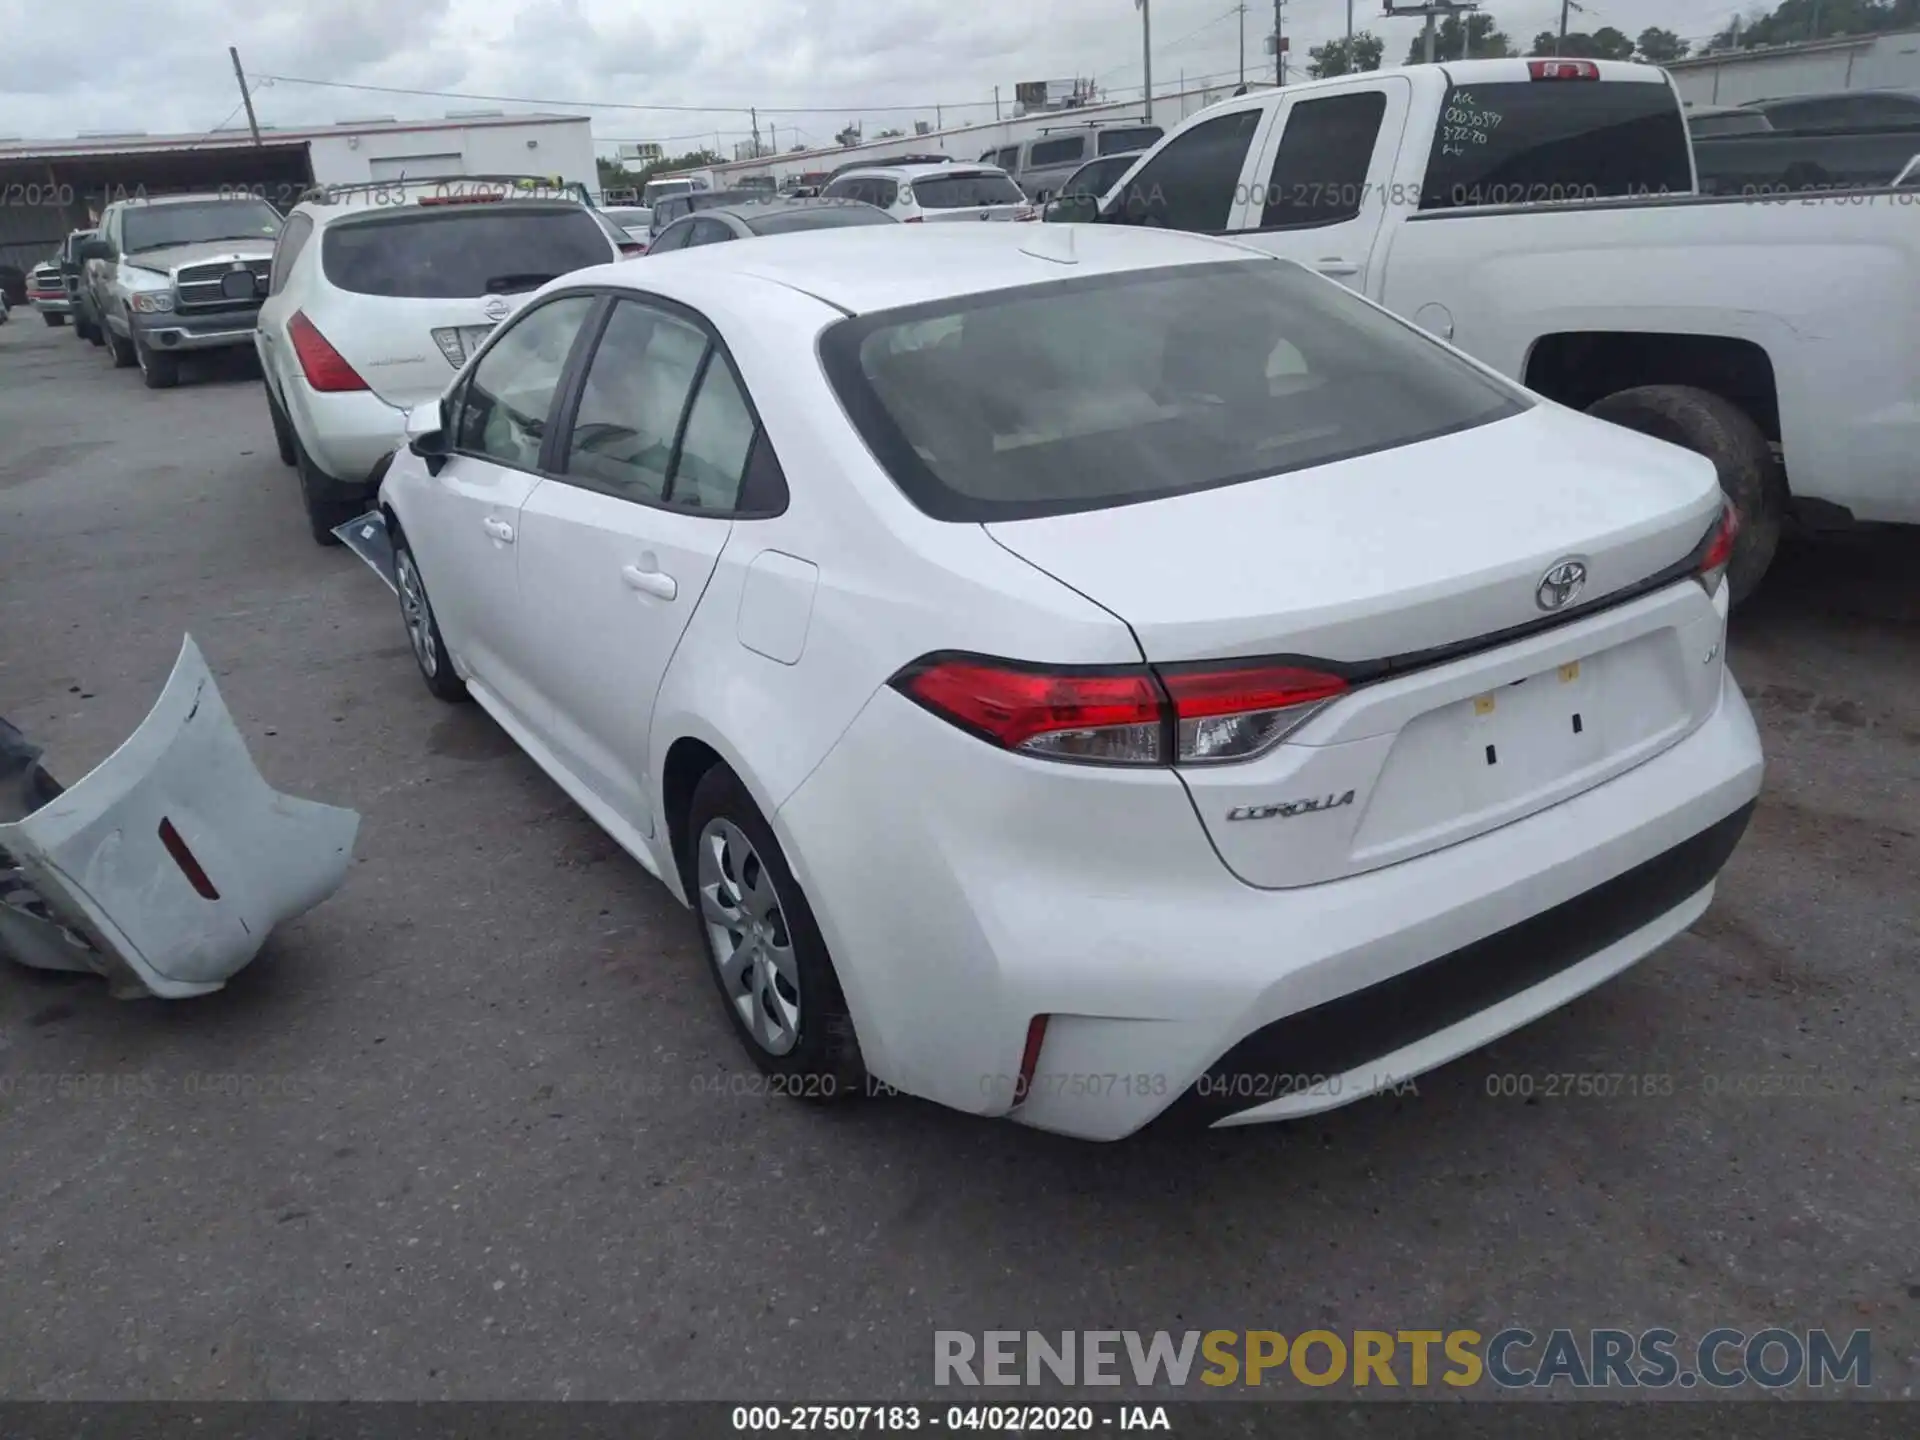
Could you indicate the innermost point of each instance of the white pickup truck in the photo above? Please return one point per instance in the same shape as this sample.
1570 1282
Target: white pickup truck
1543 216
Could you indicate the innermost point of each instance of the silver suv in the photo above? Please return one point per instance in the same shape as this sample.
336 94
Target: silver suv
174 273
1041 164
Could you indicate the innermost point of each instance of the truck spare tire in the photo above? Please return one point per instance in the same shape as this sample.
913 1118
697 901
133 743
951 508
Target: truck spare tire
1713 426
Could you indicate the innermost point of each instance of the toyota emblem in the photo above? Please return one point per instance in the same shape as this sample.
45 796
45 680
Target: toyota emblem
495 309
1561 585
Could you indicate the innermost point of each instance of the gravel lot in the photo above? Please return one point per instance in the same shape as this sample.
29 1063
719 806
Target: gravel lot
486 1148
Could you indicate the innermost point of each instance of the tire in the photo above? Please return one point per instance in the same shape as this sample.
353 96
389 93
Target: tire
54 322
322 515
96 333
122 351
423 626
790 1016
1713 426
82 330
282 428
157 370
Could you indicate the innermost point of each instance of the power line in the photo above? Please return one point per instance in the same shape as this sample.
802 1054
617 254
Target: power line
629 105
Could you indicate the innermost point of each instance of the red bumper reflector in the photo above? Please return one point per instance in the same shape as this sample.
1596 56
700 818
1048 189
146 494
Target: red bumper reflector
1030 1057
183 857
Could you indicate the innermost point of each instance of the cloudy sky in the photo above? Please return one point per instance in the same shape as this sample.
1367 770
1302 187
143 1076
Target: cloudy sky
688 68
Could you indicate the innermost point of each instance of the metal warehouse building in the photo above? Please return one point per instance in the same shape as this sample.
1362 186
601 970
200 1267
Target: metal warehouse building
53 186
1855 62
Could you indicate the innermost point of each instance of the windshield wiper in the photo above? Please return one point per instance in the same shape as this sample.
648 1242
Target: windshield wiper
518 280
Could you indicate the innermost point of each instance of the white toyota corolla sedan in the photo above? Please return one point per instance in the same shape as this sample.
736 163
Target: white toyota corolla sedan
1092 676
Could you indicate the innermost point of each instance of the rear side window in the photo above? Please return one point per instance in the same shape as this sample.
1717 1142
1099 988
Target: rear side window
1190 184
953 192
1134 137
635 392
1320 173
1084 394
293 239
1534 142
461 251
1056 152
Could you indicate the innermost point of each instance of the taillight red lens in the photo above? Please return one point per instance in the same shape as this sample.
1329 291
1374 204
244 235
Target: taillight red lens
1125 715
1563 70
326 370
1719 551
1110 716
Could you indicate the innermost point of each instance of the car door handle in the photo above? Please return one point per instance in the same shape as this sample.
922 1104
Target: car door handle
649 582
1334 265
499 530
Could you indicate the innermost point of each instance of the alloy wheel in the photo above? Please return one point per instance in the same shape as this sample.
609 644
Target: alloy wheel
416 612
748 937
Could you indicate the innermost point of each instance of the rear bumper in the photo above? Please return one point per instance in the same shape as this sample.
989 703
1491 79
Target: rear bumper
964 891
52 304
346 434
169 331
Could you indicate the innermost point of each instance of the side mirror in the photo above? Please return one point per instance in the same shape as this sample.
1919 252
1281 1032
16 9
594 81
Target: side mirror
94 250
427 433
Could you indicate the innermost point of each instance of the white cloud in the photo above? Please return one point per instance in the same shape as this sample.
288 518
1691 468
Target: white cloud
166 65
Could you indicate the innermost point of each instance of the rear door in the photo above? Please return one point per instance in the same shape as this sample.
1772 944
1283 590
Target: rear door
617 546
960 194
464 529
1325 169
410 291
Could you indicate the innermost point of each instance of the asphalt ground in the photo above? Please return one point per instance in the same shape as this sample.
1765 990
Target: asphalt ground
476 1127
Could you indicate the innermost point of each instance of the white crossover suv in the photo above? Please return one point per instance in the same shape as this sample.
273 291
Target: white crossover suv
1082 674
378 295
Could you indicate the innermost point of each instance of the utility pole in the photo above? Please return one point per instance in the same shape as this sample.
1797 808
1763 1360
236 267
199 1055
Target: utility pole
1561 43
1429 37
1349 32
996 104
754 113
1814 33
1146 57
1242 8
245 98
1279 45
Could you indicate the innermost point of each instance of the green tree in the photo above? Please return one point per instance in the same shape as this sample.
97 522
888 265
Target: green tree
692 160
1477 39
613 175
1797 20
1346 57
1606 43
1661 47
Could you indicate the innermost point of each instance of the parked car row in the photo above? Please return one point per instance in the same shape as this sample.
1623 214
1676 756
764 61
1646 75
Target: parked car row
1808 142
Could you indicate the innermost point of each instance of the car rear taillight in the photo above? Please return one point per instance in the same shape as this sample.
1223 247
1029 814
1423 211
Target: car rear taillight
1563 70
1107 716
326 370
1122 715
1237 712
1719 548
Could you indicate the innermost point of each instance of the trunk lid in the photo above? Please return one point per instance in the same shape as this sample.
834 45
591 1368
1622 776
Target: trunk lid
1432 557
408 349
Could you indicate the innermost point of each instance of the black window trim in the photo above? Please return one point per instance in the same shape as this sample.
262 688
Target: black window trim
838 352
455 399
277 275
553 450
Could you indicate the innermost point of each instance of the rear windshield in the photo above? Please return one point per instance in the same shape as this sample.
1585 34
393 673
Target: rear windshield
1137 137
462 251
152 227
1538 141
951 192
816 217
1091 393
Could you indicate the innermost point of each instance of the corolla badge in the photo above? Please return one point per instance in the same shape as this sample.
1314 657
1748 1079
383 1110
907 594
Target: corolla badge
1287 809
1561 585
495 309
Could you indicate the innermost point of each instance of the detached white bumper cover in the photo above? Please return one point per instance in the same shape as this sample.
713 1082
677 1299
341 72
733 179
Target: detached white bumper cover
165 868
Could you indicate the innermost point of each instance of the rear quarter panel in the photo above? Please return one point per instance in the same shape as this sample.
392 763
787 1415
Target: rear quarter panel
1827 286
